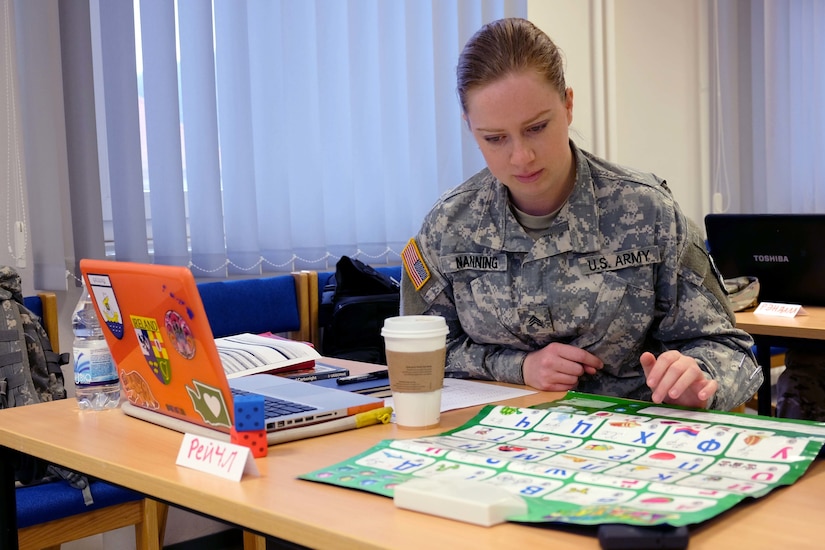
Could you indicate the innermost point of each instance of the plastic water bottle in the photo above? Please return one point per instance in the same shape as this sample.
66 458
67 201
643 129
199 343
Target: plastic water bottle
95 375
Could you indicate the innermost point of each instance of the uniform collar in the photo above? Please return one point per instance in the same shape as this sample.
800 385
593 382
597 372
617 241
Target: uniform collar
576 228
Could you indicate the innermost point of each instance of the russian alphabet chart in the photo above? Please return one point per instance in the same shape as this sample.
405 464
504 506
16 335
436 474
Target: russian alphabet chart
588 459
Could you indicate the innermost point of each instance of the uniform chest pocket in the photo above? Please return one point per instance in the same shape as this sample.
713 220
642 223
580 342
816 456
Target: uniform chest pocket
619 323
485 304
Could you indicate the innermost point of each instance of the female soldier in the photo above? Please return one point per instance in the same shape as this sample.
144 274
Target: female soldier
557 269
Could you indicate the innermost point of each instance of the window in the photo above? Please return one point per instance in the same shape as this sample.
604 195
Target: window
280 135
768 81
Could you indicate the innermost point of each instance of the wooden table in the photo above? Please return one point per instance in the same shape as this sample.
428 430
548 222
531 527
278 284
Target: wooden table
770 331
141 456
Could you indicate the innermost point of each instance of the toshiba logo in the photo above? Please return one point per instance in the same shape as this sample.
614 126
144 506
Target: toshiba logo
770 259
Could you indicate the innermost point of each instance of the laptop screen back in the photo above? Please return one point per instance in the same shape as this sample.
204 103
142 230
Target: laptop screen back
786 252
167 359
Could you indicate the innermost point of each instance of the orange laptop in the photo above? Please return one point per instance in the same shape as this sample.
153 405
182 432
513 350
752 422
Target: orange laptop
167 360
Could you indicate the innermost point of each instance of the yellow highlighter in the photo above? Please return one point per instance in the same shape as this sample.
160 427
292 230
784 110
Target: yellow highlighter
375 416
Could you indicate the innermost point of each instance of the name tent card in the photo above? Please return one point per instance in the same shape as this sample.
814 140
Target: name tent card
779 310
215 457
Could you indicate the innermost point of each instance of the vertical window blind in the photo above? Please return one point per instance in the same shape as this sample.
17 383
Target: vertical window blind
767 105
251 136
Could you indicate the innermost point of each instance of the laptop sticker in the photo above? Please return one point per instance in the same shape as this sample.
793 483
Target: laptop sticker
209 404
180 335
137 390
104 295
181 302
151 344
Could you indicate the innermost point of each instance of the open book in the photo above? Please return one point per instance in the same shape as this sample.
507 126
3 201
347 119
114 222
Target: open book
245 354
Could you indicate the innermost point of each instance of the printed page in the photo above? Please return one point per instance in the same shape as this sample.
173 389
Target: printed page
246 354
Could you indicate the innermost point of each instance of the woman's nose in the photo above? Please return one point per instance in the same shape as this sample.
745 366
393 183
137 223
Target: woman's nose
522 154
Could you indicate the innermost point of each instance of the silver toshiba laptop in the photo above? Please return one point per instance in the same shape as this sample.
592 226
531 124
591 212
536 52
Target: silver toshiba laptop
786 252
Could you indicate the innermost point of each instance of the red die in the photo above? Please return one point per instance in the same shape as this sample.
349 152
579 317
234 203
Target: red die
255 440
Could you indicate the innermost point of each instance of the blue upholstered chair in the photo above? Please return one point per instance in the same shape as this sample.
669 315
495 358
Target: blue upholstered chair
50 514
53 513
277 304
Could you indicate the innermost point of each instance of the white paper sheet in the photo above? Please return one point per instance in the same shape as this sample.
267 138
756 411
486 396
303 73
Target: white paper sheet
460 393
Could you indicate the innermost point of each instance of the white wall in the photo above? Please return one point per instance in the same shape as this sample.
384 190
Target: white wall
638 70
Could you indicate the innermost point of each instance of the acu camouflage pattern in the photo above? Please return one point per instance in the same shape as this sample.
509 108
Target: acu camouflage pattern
29 369
620 271
30 373
800 390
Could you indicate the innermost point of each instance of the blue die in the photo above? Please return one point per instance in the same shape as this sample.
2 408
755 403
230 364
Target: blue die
249 412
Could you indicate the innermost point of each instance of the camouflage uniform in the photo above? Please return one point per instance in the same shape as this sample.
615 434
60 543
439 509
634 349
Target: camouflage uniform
800 390
619 272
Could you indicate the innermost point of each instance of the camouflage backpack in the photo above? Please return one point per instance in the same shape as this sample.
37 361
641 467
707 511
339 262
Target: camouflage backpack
29 373
29 370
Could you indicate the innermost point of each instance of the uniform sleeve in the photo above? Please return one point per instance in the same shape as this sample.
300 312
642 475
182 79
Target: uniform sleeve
699 322
465 358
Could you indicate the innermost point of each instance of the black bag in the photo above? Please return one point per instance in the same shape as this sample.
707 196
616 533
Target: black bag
354 304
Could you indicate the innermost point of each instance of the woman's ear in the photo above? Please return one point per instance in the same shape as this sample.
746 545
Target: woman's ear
568 104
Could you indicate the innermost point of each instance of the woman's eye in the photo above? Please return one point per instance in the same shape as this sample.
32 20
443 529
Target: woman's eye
493 139
537 128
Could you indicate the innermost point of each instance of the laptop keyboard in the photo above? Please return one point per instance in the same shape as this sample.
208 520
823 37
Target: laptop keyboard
274 407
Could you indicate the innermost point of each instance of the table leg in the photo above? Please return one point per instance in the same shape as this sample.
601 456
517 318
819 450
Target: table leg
8 501
763 357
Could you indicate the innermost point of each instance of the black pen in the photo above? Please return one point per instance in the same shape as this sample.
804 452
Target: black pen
377 375
456 374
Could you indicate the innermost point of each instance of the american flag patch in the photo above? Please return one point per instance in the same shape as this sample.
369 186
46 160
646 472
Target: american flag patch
414 264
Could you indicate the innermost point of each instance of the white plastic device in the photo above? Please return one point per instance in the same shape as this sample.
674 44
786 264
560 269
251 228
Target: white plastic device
464 500
20 244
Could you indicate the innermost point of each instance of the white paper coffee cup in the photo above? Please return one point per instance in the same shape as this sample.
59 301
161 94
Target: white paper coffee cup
416 355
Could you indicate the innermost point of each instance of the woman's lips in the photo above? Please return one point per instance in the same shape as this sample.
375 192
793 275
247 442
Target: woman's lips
528 178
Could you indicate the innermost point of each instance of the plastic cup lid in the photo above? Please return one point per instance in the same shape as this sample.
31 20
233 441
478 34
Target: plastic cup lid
414 326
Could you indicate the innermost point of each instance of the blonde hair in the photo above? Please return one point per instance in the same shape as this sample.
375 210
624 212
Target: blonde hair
504 47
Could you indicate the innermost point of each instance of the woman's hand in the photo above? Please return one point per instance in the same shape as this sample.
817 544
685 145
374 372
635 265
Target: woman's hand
557 367
677 379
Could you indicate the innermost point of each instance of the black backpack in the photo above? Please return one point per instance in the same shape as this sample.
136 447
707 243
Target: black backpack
354 304
30 373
